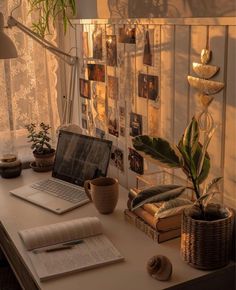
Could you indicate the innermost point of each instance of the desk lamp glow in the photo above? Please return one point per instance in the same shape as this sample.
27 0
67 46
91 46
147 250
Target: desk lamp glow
8 50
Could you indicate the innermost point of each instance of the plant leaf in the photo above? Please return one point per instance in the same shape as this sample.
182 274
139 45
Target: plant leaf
206 163
158 149
205 198
212 184
191 137
157 194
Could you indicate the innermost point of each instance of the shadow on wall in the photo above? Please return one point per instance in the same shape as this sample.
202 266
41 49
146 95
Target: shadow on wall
170 8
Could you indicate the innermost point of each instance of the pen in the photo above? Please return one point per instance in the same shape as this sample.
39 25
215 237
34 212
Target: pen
64 246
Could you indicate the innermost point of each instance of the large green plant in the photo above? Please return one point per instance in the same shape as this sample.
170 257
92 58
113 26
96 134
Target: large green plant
48 11
189 155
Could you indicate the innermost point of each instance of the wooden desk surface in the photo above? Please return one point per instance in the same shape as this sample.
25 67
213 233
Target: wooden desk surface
16 214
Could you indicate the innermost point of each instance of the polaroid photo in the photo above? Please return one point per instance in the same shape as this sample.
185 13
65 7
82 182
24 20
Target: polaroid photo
136 162
84 108
96 72
135 124
117 158
84 88
111 48
122 121
147 53
85 44
148 87
84 124
127 35
112 122
99 133
99 103
112 87
97 44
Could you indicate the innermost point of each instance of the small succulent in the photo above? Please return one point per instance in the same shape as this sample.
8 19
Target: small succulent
189 155
40 139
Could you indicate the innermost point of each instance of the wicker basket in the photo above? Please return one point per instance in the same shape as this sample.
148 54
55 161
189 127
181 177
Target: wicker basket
206 245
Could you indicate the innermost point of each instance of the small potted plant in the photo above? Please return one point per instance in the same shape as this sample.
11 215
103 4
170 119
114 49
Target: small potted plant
206 227
42 149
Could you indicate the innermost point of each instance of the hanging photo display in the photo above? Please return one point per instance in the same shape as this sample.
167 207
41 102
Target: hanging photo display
148 87
85 44
97 44
96 72
112 122
111 50
127 35
136 163
147 54
112 87
135 124
117 158
122 121
84 88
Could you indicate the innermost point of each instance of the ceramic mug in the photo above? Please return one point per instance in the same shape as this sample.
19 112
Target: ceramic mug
104 192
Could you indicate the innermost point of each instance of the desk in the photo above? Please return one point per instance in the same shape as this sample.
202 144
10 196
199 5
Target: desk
137 248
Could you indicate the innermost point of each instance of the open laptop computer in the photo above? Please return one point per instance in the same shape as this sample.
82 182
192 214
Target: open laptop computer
78 158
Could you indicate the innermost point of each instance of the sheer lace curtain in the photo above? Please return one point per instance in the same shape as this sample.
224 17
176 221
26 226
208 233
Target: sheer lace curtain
27 86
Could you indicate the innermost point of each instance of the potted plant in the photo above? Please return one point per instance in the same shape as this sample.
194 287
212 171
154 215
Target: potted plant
42 149
206 227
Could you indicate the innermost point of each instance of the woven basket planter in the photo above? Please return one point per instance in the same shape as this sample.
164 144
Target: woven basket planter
206 245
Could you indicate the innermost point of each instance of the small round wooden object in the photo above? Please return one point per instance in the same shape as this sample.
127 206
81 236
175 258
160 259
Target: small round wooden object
159 267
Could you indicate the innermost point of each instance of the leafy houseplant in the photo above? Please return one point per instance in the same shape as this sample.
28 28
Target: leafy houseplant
48 11
42 149
192 157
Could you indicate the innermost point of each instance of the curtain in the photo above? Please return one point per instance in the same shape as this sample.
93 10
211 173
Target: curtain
27 86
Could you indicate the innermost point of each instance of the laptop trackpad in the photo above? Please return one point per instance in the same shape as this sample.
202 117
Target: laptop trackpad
41 198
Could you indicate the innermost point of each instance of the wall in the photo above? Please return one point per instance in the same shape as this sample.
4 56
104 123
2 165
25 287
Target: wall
91 9
176 44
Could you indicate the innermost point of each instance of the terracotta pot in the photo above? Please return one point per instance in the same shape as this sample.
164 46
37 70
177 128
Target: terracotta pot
44 160
205 244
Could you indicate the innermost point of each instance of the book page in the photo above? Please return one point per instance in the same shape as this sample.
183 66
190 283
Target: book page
61 232
95 251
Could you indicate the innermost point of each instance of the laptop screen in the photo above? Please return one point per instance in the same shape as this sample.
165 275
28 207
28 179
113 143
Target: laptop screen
80 157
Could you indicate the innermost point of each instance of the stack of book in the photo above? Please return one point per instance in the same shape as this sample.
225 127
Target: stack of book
160 228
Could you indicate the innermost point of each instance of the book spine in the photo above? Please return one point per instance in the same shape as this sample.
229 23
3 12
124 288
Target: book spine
156 236
141 225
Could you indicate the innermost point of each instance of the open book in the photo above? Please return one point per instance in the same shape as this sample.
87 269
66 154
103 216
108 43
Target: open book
67 247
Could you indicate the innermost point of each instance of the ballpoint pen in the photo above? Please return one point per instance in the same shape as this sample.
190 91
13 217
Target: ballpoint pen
59 247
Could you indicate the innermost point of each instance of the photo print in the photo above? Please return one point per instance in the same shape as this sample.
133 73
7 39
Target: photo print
99 133
127 35
136 162
99 104
111 50
84 88
148 87
135 124
96 72
84 108
85 44
117 158
112 87
84 124
147 54
112 122
122 121
97 44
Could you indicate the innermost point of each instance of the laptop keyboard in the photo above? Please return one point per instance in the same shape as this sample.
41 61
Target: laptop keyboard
63 191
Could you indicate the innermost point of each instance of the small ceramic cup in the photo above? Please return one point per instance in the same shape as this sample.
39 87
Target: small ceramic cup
104 192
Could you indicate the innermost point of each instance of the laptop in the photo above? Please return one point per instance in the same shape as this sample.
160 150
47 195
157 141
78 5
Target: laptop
78 158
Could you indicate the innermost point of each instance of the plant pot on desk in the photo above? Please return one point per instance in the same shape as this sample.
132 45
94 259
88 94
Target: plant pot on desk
44 161
206 244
